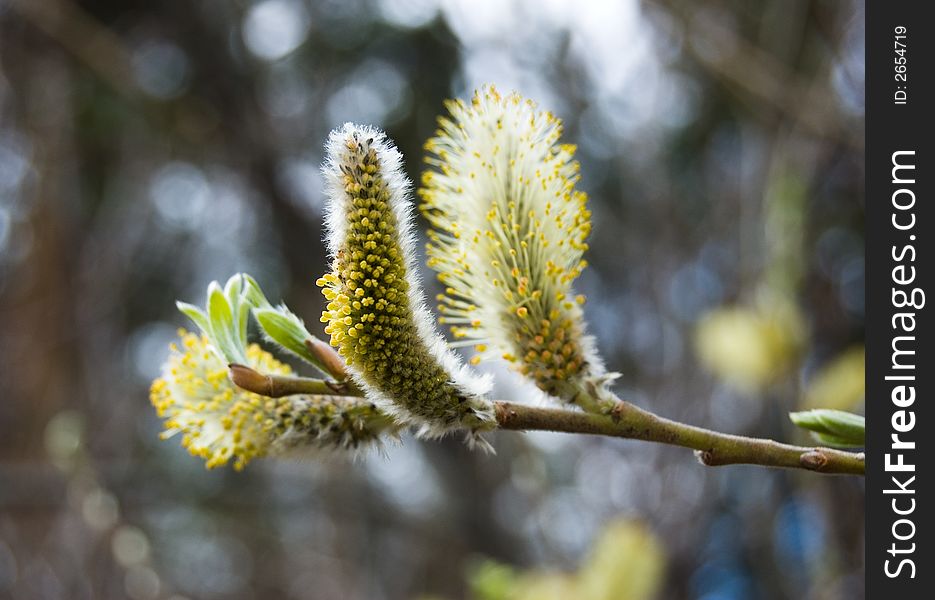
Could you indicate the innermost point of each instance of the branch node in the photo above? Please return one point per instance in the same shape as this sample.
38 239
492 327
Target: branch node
814 460
706 457
338 387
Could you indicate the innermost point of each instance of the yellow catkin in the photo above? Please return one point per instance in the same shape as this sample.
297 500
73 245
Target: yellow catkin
220 422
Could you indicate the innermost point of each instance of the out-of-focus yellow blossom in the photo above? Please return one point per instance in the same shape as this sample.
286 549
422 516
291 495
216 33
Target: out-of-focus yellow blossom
220 422
749 348
839 384
626 563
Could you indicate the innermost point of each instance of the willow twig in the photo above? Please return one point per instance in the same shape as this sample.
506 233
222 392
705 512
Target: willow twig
625 420
711 448
277 386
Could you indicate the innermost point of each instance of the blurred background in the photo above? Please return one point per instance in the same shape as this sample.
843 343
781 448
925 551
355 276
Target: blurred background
147 148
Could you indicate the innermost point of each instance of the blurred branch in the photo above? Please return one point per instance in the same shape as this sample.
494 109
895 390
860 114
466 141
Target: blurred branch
747 67
102 52
76 31
624 421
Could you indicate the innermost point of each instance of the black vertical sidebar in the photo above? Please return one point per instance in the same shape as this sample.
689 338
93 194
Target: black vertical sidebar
900 270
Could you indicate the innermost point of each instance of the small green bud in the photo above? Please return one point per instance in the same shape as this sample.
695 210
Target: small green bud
832 427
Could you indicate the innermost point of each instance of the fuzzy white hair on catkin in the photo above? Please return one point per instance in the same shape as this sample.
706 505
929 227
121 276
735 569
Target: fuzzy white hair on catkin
299 446
400 202
495 159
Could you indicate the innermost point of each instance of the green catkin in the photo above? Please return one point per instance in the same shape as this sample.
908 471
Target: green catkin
376 315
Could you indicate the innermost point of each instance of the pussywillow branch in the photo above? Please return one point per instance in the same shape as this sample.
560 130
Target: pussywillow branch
627 421
509 230
509 233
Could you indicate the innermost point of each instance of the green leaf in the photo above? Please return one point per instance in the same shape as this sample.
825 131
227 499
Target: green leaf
843 424
806 419
243 318
197 316
221 320
832 427
253 294
286 329
826 439
232 290
225 320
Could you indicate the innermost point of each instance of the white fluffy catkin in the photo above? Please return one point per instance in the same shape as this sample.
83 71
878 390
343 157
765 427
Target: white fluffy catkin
509 231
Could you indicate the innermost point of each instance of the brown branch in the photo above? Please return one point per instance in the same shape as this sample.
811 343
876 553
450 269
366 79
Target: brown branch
712 448
627 421
277 386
